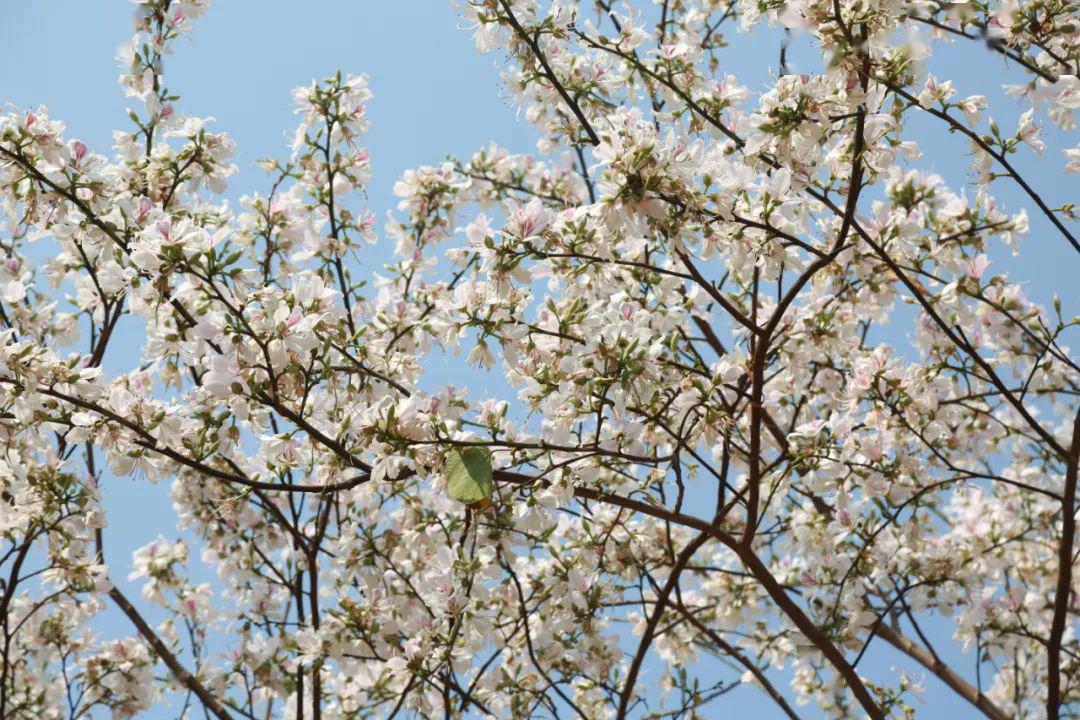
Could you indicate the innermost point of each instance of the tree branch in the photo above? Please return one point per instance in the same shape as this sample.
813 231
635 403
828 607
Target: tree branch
181 673
1063 592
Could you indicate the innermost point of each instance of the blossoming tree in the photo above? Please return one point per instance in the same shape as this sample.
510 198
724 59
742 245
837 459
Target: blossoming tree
707 451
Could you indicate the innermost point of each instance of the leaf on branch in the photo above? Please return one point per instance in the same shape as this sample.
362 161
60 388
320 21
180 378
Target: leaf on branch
468 477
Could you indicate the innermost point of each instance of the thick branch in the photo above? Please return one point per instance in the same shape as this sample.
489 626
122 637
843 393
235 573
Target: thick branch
754 565
943 672
1064 581
654 621
181 673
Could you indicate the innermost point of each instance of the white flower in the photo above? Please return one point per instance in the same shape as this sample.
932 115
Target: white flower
14 291
1029 132
1073 156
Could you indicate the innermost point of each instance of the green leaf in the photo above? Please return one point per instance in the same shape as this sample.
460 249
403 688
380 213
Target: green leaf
468 476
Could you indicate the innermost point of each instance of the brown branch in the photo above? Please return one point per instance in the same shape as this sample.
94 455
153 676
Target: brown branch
942 671
594 139
1064 580
741 658
754 565
178 671
149 442
717 295
999 156
996 46
960 342
654 619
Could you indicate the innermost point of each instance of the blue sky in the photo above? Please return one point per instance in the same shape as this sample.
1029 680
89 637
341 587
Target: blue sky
434 95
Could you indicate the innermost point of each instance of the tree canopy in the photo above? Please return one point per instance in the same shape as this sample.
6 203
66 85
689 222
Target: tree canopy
702 466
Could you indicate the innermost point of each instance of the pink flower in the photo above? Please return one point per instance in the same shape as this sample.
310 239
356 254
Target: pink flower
145 206
977 266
